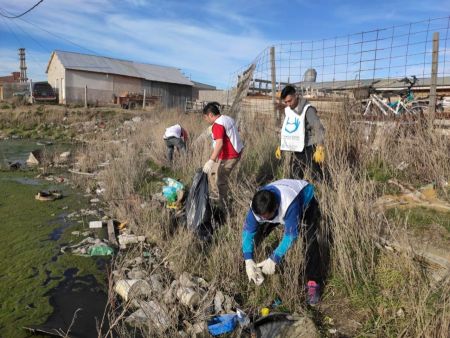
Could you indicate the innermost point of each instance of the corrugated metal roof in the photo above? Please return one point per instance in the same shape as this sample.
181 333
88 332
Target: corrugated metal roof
101 64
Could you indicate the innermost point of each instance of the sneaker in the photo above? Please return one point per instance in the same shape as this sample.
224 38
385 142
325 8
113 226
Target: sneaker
312 293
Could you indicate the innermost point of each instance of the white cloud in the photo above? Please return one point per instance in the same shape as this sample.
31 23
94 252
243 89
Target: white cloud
210 54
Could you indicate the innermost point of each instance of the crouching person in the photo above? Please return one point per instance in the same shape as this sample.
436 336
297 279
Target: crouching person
175 136
292 204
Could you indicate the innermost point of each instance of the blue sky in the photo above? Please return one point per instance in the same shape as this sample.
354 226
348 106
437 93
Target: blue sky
207 40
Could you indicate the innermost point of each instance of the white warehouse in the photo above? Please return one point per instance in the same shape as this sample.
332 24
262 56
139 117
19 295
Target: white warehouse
107 78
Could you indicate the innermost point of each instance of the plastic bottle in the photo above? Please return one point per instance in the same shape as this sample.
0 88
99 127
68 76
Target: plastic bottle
242 318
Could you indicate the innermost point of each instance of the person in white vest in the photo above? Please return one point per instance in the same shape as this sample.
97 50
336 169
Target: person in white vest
175 136
227 148
292 204
302 133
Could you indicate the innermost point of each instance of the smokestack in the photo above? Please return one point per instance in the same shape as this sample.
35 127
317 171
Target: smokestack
23 66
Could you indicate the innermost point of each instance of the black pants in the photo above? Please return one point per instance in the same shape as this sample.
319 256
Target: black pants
314 265
303 161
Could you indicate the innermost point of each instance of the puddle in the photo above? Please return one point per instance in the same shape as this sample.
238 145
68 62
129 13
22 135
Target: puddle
60 219
80 295
27 180
19 150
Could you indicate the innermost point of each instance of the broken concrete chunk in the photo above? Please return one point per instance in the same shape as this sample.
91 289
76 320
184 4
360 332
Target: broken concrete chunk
157 286
34 158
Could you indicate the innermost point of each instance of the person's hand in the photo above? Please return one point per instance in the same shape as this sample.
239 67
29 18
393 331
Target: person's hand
267 266
253 272
278 153
208 166
319 154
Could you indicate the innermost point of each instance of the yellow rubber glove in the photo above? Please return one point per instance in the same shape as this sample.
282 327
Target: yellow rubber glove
319 154
278 153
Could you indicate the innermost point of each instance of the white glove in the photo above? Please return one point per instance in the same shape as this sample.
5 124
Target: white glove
208 166
267 266
254 274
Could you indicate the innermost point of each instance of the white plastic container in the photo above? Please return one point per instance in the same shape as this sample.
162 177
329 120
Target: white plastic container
132 288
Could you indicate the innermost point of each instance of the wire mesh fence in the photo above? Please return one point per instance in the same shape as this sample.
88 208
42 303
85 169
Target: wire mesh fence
331 70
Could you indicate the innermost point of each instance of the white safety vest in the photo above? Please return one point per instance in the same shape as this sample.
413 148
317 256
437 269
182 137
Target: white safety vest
173 131
231 131
293 130
289 190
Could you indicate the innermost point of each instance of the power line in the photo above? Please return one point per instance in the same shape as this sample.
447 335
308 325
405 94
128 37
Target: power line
55 35
21 44
18 16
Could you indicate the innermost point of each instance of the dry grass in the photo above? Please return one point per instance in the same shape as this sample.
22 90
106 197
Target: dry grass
391 294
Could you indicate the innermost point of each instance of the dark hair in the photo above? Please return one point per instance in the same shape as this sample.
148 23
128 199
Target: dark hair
264 201
213 108
288 90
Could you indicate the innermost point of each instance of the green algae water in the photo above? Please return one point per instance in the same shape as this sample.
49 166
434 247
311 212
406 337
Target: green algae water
32 267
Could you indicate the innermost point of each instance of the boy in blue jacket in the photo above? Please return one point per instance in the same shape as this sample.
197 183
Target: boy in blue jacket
292 204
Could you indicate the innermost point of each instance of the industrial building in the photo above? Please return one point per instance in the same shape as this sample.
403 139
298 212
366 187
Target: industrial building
103 80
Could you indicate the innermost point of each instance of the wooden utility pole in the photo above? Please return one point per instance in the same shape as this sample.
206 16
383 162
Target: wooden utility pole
434 71
274 84
143 100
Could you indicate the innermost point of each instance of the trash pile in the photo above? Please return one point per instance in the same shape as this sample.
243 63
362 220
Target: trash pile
173 192
90 247
150 293
154 300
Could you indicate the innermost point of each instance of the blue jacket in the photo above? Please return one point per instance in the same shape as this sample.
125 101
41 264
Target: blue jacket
292 220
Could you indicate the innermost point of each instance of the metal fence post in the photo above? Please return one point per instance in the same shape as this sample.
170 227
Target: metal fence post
31 92
274 85
85 96
434 71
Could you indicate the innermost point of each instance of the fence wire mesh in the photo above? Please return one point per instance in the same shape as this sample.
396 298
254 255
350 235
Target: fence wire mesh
333 69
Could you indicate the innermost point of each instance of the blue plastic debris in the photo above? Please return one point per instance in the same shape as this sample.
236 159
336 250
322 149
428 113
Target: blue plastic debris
171 188
222 324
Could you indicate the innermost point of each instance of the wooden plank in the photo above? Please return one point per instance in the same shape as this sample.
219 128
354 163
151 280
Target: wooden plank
111 233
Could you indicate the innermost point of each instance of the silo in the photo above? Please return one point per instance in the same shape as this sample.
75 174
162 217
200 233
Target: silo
310 75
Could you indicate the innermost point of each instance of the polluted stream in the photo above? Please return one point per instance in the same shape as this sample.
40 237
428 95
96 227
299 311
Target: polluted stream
43 289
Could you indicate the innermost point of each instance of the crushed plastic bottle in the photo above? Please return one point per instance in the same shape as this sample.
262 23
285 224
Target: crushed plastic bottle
242 318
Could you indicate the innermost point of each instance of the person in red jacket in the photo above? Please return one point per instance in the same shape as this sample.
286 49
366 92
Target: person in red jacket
227 148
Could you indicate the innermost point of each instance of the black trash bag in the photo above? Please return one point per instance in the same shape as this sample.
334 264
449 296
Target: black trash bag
198 209
273 325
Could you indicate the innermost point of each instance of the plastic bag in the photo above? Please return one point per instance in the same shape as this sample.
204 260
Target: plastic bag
198 209
101 250
222 324
171 188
